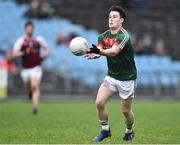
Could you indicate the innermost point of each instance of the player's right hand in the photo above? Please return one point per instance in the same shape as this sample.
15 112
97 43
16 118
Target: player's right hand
94 49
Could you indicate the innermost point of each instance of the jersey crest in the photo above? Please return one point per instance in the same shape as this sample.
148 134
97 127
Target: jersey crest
109 42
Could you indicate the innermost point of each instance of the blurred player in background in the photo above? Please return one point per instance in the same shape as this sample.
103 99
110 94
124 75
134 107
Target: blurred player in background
28 48
115 44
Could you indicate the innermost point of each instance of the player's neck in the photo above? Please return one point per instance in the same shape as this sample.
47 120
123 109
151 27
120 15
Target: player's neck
116 30
29 37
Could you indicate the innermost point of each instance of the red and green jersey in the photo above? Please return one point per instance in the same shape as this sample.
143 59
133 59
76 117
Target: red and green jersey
122 66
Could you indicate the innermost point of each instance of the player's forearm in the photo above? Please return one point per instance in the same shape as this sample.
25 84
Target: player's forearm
46 53
17 54
108 52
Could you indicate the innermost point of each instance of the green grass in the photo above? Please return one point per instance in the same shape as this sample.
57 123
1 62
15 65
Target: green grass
70 122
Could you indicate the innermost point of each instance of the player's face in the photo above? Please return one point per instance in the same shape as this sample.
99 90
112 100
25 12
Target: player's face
115 21
29 30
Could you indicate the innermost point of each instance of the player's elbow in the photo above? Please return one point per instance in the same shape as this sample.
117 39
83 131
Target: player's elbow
48 50
13 54
113 53
16 54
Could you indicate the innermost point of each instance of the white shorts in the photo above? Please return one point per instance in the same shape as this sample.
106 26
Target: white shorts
27 74
126 89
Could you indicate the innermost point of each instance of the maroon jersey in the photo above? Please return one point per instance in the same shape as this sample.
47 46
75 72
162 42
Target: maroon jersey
32 47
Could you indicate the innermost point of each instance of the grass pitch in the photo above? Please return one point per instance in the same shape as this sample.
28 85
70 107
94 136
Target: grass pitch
75 122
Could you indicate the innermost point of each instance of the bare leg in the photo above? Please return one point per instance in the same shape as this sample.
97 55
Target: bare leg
35 85
28 86
104 93
127 112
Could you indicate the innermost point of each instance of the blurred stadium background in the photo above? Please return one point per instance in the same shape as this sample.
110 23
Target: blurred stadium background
153 24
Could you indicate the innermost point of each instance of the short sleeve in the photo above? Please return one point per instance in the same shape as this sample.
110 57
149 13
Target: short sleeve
100 41
122 39
18 44
41 41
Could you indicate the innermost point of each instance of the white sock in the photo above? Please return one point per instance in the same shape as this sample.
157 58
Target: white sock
105 127
128 130
104 124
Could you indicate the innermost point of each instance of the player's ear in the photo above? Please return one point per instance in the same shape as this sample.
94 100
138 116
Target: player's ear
121 20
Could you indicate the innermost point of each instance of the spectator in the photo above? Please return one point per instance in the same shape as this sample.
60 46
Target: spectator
47 11
143 45
40 10
159 48
8 63
62 39
33 9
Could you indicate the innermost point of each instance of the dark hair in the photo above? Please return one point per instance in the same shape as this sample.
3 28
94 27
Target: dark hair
29 23
119 9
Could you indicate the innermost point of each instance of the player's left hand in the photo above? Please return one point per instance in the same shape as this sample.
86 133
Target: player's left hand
92 56
94 49
43 57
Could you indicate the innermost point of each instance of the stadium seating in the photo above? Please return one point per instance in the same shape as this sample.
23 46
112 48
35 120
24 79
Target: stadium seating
152 69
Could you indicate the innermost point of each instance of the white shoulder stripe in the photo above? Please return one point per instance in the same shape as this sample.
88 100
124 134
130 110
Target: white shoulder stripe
126 38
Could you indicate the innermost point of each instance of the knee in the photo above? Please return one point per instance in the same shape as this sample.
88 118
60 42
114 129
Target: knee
34 87
126 111
35 84
100 103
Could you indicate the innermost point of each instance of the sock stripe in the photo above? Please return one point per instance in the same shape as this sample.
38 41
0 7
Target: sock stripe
104 122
